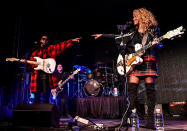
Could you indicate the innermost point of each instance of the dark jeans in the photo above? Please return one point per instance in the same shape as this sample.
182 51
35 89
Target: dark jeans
65 108
42 94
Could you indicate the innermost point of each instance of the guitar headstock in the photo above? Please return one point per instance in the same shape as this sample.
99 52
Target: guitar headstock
76 71
173 33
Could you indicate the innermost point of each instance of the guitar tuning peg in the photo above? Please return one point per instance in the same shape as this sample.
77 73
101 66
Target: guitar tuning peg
179 36
172 38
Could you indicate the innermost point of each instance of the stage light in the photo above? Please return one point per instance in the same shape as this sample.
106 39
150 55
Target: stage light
178 109
177 103
54 98
32 95
31 100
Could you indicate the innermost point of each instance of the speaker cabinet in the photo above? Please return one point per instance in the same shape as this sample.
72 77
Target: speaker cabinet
43 115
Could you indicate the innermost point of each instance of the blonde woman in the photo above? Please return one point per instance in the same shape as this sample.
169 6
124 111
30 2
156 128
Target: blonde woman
144 30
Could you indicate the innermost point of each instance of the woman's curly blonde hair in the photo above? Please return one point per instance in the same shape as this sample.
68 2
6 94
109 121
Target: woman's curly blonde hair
146 18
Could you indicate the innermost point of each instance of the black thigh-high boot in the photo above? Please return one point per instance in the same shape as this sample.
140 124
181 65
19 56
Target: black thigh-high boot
151 100
132 95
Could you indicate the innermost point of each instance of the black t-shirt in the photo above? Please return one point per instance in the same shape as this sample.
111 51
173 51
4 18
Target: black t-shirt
61 76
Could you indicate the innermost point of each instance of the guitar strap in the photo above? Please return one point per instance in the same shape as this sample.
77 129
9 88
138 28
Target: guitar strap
144 40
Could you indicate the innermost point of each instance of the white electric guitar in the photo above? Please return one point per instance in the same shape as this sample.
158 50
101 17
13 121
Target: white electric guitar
134 59
47 65
55 91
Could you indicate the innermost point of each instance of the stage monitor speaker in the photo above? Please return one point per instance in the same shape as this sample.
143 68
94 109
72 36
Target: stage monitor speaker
42 115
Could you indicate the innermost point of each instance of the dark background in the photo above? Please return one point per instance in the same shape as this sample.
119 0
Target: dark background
23 22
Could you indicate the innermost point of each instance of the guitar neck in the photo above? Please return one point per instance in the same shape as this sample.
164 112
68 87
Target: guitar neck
147 46
32 62
75 72
66 80
26 61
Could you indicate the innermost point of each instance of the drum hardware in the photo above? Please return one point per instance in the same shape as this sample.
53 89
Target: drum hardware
81 77
89 77
101 81
112 87
92 88
105 67
106 91
105 75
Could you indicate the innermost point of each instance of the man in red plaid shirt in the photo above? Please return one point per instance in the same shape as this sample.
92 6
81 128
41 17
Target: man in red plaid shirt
41 81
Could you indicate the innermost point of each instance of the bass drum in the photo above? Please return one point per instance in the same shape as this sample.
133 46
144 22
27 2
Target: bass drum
92 88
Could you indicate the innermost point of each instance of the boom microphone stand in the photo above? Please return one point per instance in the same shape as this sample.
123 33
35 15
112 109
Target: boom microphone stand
122 50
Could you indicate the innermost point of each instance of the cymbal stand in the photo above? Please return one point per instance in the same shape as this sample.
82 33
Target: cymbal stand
78 86
113 86
106 89
114 72
80 95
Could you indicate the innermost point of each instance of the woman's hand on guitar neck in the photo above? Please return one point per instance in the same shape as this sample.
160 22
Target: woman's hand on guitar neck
155 41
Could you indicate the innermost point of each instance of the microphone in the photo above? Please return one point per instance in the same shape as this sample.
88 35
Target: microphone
35 42
35 45
129 22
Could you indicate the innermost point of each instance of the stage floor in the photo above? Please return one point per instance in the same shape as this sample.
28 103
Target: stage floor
110 124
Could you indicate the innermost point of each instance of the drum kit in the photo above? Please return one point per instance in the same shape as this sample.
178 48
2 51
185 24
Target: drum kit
101 81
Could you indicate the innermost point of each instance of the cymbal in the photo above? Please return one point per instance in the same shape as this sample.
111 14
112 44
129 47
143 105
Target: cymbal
83 69
84 75
78 66
100 62
105 68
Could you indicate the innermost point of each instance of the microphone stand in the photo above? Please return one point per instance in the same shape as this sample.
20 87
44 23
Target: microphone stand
122 52
122 49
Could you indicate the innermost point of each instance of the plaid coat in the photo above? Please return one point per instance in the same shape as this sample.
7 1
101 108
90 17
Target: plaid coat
49 52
